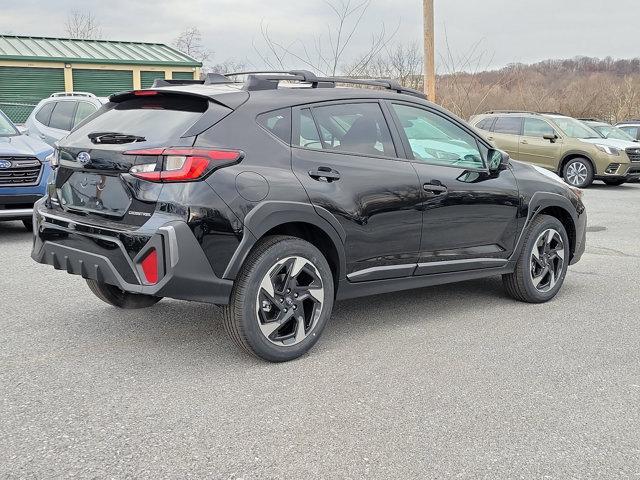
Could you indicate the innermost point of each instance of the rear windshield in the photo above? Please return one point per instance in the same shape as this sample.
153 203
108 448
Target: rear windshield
156 118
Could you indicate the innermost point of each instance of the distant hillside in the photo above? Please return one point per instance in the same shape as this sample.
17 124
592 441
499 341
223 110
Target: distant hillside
580 87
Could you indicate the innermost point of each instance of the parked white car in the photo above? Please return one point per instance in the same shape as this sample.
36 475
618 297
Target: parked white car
55 116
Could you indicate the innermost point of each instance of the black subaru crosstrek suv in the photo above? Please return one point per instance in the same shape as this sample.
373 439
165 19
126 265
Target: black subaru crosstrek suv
277 195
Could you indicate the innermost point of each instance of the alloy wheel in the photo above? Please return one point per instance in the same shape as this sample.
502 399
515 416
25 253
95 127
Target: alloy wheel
547 260
577 173
289 301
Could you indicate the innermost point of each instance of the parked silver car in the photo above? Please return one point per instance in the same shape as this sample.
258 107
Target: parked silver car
55 116
631 128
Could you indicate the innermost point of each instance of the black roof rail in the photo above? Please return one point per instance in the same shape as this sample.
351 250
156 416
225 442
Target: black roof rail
591 120
269 80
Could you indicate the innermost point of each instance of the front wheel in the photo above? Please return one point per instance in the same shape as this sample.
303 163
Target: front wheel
28 224
578 172
615 182
281 299
119 298
542 265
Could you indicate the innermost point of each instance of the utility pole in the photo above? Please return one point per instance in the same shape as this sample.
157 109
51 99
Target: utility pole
429 52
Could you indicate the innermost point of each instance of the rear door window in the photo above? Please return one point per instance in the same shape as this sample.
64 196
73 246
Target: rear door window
508 125
354 128
156 118
44 114
62 116
309 137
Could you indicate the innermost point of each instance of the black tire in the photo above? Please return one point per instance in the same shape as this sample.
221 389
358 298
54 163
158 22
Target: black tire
583 167
243 319
118 298
615 182
520 283
28 224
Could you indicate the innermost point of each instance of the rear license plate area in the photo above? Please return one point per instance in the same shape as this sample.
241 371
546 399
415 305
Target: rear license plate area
96 193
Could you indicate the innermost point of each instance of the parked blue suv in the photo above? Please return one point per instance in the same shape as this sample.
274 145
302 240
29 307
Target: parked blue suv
24 170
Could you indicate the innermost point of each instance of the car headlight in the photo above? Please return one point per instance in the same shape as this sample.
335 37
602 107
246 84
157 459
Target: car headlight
52 158
607 149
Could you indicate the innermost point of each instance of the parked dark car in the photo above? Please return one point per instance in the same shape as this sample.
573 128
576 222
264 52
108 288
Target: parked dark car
276 196
24 170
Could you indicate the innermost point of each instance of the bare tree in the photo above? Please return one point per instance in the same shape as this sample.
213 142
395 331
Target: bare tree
82 25
461 88
190 42
228 66
400 62
325 53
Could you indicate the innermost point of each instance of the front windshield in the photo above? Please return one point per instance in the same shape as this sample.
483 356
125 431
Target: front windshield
607 131
6 127
574 128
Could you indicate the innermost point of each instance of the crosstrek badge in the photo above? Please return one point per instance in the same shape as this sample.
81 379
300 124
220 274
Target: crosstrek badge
139 214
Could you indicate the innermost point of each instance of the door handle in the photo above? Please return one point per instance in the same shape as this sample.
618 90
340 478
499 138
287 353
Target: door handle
524 142
435 186
490 139
325 174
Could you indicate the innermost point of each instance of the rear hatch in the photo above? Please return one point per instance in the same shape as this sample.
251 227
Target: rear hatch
95 160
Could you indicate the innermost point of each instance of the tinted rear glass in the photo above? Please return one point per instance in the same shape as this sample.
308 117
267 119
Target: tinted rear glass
156 118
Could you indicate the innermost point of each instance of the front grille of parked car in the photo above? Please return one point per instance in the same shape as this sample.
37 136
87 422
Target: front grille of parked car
634 154
23 171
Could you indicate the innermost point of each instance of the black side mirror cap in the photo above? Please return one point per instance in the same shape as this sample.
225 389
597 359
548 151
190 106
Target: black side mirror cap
498 160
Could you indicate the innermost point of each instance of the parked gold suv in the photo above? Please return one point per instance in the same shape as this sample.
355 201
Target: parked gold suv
563 145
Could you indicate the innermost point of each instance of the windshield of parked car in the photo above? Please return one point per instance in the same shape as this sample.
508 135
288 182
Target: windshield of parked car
6 127
608 131
574 128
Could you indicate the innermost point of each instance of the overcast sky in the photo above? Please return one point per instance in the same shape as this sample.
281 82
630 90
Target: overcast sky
509 30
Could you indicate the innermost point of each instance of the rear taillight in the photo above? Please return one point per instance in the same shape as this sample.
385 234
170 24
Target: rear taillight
182 164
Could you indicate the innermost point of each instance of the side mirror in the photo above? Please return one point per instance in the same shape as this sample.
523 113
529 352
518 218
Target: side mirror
552 137
498 160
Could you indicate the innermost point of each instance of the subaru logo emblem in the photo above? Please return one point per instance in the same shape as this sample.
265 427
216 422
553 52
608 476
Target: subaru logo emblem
83 158
5 164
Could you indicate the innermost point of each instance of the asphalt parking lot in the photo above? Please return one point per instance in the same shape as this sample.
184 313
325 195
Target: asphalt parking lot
451 381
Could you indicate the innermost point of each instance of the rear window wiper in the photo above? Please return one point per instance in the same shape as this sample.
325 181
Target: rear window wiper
114 137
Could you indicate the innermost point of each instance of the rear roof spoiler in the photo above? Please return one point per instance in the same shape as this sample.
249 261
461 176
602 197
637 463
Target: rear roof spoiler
232 99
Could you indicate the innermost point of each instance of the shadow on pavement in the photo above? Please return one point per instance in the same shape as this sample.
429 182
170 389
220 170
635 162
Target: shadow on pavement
195 333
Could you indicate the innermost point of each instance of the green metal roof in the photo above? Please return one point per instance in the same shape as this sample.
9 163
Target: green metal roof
71 50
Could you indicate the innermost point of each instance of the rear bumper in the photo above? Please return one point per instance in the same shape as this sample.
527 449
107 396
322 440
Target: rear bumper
98 255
